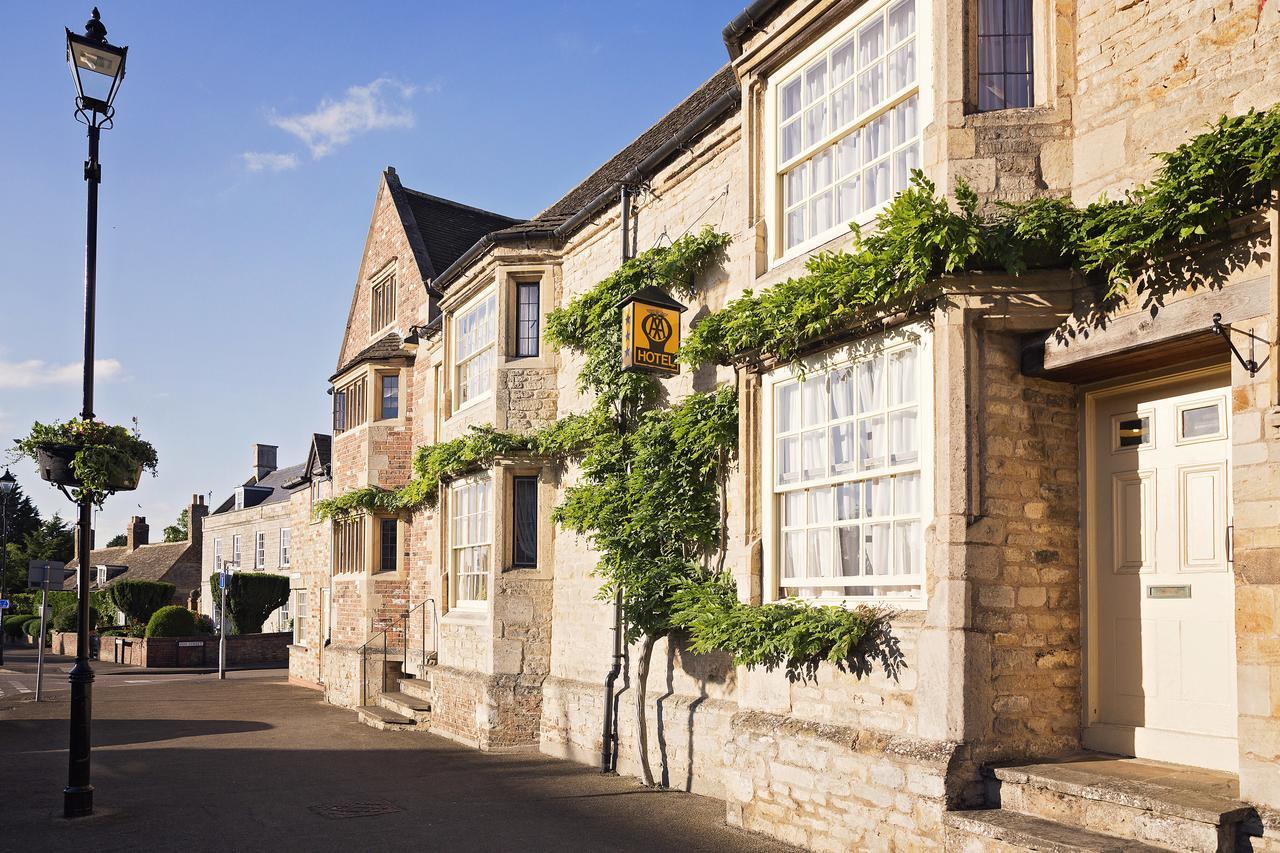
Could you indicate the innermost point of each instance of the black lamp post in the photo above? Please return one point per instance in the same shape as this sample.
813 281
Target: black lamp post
97 68
7 484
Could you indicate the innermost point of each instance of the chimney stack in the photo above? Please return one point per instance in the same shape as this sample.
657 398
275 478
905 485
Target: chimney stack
196 514
136 533
264 461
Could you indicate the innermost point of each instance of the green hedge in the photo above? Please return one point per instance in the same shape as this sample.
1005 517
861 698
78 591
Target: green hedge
251 598
67 619
172 621
32 627
13 625
22 603
138 600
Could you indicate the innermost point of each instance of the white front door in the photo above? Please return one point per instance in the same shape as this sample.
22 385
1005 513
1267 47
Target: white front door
1162 668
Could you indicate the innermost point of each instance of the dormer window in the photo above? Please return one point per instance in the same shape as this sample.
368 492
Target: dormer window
382 304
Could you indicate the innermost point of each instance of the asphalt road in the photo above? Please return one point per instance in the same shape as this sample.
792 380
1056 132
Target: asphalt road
188 762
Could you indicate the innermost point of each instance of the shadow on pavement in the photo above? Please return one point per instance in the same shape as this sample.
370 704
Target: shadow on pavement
43 735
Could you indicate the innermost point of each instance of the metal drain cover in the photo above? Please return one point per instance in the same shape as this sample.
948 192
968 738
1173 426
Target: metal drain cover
354 808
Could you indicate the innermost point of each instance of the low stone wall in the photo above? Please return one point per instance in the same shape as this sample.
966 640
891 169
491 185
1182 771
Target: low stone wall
65 642
196 651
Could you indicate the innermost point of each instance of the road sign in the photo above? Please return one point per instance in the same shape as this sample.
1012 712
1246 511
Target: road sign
4 604
41 572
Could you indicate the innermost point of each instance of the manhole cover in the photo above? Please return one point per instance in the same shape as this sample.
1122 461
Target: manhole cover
354 808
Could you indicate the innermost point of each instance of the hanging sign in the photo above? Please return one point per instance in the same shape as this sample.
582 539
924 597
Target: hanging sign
651 332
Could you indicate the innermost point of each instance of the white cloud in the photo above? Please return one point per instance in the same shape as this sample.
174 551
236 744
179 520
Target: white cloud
36 373
377 106
267 161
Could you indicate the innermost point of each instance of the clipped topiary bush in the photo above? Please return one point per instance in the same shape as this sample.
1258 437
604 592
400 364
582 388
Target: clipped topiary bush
32 628
172 621
251 598
13 625
138 600
67 619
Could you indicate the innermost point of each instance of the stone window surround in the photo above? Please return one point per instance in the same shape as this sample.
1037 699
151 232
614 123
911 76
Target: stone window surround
386 273
771 523
369 374
1044 60
501 517
369 550
511 276
771 180
376 373
447 518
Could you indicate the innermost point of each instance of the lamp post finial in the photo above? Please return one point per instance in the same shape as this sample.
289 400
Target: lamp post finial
94 29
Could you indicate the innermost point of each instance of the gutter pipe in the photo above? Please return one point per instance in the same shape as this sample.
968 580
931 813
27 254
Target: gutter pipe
744 23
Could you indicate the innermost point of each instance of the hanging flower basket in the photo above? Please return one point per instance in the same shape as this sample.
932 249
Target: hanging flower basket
91 457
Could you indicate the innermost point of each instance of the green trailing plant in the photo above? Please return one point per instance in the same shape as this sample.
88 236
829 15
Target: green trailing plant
171 621
250 598
138 599
106 457
1123 244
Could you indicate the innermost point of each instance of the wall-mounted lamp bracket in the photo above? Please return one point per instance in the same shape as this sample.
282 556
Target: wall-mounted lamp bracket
1224 331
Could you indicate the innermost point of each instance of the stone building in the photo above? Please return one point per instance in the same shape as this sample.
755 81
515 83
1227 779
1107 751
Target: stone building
266 524
139 558
1076 530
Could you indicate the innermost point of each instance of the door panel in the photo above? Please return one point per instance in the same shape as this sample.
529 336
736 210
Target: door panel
1161 588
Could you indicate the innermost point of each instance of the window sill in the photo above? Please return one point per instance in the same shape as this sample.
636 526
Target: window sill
466 616
470 404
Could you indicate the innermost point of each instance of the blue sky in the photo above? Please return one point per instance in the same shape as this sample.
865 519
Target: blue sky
238 182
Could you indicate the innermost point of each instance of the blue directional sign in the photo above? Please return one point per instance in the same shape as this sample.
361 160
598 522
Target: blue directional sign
4 604
222 580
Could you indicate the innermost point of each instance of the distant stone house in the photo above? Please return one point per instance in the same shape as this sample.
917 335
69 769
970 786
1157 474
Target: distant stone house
1077 532
266 525
177 563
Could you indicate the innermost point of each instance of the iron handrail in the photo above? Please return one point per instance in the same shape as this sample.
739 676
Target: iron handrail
385 634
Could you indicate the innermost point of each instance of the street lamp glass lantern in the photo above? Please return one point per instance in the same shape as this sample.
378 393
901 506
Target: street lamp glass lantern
7 483
96 66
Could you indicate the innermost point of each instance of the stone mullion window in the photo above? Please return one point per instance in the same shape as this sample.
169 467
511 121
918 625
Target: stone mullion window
471 539
528 318
348 545
349 406
849 127
1005 58
848 480
382 307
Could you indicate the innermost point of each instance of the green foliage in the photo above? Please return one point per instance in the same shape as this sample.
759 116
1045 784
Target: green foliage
105 455
68 619
251 598
171 621
32 627
177 532
138 599
118 541
21 602
1220 175
13 625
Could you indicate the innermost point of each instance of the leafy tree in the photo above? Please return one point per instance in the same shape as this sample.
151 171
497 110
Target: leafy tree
23 518
251 598
118 541
138 600
178 531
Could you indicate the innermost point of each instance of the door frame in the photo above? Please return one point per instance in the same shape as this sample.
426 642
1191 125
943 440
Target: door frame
1089 441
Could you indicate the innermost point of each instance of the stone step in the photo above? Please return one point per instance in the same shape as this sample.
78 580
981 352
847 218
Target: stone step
993 830
1178 808
418 710
419 688
380 718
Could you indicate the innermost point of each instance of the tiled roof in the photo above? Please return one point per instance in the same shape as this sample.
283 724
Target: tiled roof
279 482
386 347
448 228
177 563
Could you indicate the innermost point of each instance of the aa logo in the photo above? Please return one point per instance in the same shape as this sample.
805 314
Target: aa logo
657 328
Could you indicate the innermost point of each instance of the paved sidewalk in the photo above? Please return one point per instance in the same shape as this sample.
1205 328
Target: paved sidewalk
256 764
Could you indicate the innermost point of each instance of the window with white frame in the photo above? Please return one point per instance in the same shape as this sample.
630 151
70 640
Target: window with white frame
471 539
301 612
474 349
259 550
849 483
235 550
217 555
286 545
849 126
284 615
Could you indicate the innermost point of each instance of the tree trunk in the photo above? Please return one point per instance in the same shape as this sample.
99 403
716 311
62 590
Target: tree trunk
642 690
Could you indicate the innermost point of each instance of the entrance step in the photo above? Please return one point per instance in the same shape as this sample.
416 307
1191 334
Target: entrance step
1169 806
380 718
417 710
991 830
419 688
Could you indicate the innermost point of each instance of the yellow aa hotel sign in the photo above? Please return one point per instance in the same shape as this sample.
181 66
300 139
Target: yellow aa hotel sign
651 332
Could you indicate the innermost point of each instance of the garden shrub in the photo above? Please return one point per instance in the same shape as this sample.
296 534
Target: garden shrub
67 619
252 597
13 625
171 621
32 627
22 603
138 600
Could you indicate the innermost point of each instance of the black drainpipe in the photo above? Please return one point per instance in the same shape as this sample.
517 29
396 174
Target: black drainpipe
609 737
